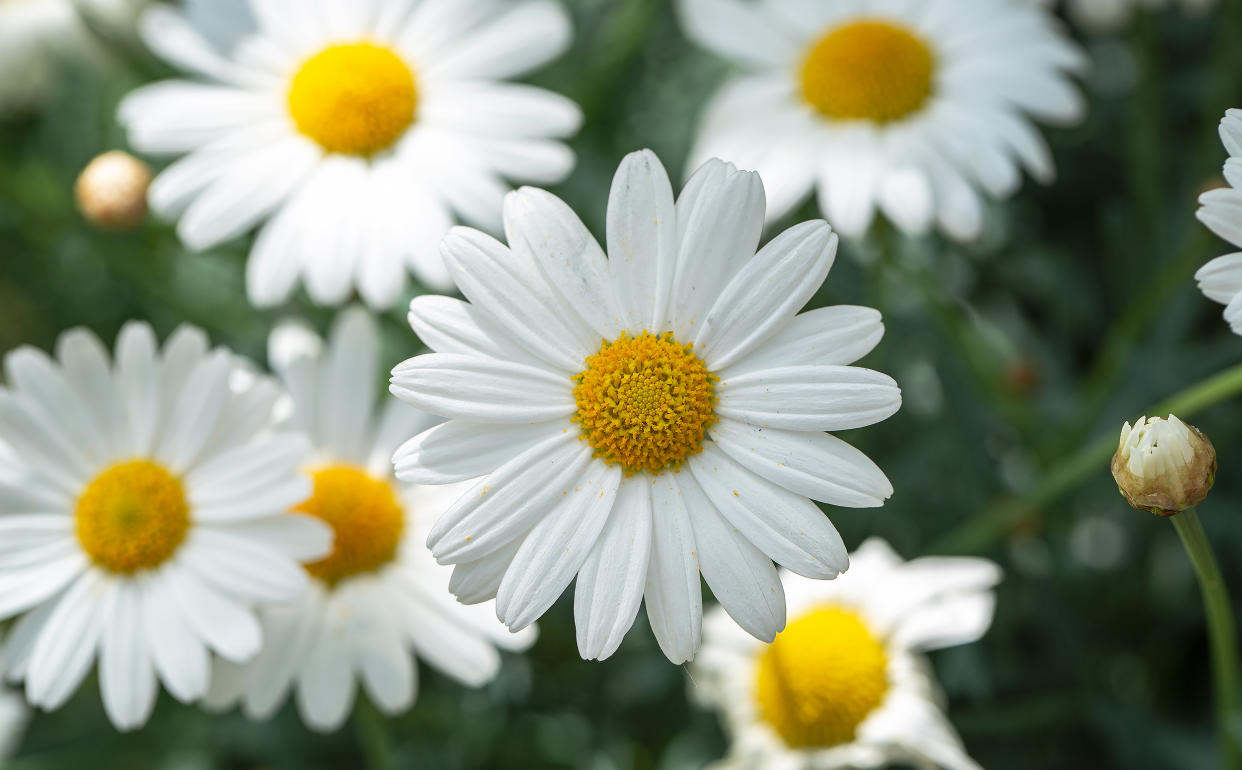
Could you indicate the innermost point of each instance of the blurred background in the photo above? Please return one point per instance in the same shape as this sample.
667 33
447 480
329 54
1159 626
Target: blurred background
1019 356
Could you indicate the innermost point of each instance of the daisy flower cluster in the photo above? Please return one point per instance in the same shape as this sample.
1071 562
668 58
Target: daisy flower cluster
626 415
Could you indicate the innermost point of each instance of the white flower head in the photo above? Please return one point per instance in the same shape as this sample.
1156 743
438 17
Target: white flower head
845 685
378 600
916 110
1221 210
1164 466
351 132
142 516
644 416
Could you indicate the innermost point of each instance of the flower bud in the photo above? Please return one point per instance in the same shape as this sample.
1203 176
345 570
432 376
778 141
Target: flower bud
1164 466
112 191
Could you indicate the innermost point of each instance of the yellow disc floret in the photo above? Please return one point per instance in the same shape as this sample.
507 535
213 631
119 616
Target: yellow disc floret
868 70
820 678
132 516
356 98
645 402
365 517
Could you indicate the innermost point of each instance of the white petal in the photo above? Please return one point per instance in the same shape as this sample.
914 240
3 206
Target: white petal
68 641
458 450
673 594
540 227
241 568
224 624
810 397
326 688
642 240
556 548
515 41
743 579
719 221
475 582
818 465
786 526
766 293
510 501
126 677
177 653
611 582
839 335
482 389
350 384
740 31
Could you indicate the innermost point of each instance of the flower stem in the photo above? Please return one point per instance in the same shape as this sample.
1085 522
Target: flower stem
993 524
373 735
1222 632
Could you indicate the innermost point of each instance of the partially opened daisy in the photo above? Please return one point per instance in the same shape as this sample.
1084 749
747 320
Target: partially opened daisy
1221 211
646 415
917 110
353 132
845 685
142 516
378 600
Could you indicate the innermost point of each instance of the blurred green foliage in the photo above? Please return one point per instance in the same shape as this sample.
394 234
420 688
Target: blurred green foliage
1076 311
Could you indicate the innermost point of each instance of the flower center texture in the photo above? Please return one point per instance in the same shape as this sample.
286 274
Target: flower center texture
132 516
365 517
356 98
645 402
868 70
820 679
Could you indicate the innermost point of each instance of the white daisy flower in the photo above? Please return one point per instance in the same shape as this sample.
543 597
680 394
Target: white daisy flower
913 109
142 515
845 685
379 599
35 33
1221 211
644 416
352 131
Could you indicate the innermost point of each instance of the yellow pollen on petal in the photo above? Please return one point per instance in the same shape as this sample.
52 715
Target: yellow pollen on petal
133 516
868 70
355 98
821 677
365 517
645 402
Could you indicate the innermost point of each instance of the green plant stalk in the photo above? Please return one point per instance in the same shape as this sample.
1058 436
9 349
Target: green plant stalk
985 530
1222 632
373 736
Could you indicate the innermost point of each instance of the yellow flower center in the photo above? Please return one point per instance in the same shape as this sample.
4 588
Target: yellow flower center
365 517
132 516
645 402
820 678
868 70
356 98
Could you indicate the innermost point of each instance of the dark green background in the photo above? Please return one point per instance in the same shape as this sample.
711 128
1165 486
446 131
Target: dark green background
1076 311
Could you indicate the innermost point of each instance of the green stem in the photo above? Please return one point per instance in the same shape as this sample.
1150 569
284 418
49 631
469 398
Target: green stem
373 735
981 532
1222 632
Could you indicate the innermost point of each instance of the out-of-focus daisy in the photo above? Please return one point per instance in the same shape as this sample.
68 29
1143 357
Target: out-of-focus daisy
916 110
142 515
379 600
845 684
1221 211
643 416
353 131
34 34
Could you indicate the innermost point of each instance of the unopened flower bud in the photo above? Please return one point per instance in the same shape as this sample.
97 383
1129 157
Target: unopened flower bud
1164 466
112 191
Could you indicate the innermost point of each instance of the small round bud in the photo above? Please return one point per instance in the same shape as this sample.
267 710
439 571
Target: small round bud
1164 466
112 191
